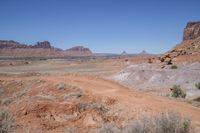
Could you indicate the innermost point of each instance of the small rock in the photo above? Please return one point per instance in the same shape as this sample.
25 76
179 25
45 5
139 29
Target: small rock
24 112
61 86
150 60
163 66
168 61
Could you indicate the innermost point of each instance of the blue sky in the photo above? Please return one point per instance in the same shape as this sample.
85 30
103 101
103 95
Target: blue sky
104 26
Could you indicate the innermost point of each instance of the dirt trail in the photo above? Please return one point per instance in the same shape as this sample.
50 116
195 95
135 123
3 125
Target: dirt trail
129 103
136 101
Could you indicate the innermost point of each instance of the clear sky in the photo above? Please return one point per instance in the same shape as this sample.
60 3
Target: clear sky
102 25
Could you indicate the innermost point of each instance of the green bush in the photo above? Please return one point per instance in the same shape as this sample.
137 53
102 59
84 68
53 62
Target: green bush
177 92
6 122
174 67
197 85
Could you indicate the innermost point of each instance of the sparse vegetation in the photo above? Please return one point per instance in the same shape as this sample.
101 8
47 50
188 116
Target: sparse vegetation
174 67
46 97
197 85
177 92
108 128
6 101
89 106
173 122
143 124
72 95
6 121
1 90
170 122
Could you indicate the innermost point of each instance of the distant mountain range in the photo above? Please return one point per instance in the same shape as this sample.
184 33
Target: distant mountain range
10 48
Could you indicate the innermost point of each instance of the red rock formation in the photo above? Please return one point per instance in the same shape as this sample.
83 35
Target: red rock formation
14 44
11 44
41 49
44 44
79 51
190 46
191 31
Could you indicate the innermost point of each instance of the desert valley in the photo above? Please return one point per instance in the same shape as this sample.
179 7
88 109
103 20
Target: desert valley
47 89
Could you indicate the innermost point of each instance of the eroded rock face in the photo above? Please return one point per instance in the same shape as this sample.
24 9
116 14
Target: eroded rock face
11 44
190 46
44 44
191 31
78 51
14 44
40 49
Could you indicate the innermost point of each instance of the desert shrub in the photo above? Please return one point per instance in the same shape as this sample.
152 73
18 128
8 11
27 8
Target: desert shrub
172 122
197 85
72 95
45 97
143 124
174 67
7 101
108 128
176 92
94 106
6 122
1 90
71 130
197 99
169 122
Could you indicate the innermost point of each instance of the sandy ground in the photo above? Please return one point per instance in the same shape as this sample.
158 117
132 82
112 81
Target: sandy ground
59 95
127 103
97 67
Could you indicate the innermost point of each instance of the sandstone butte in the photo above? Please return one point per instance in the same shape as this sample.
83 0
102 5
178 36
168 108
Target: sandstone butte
10 48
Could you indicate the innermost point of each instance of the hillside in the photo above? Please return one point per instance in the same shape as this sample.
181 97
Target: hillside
189 48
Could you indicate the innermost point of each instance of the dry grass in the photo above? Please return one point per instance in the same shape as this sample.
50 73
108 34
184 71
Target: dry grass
108 128
170 122
177 92
197 85
6 122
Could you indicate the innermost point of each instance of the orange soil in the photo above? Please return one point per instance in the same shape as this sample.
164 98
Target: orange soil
131 102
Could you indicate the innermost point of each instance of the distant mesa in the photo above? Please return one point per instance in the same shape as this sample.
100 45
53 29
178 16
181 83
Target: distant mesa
124 53
10 48
79 51
143 52
14 44
11 44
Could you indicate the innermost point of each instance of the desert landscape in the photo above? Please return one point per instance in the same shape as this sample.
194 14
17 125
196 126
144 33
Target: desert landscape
105 66
77 91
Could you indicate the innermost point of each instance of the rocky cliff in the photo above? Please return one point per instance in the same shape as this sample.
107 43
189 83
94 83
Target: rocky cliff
189 48
191 31
12 48
44 44
13 44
